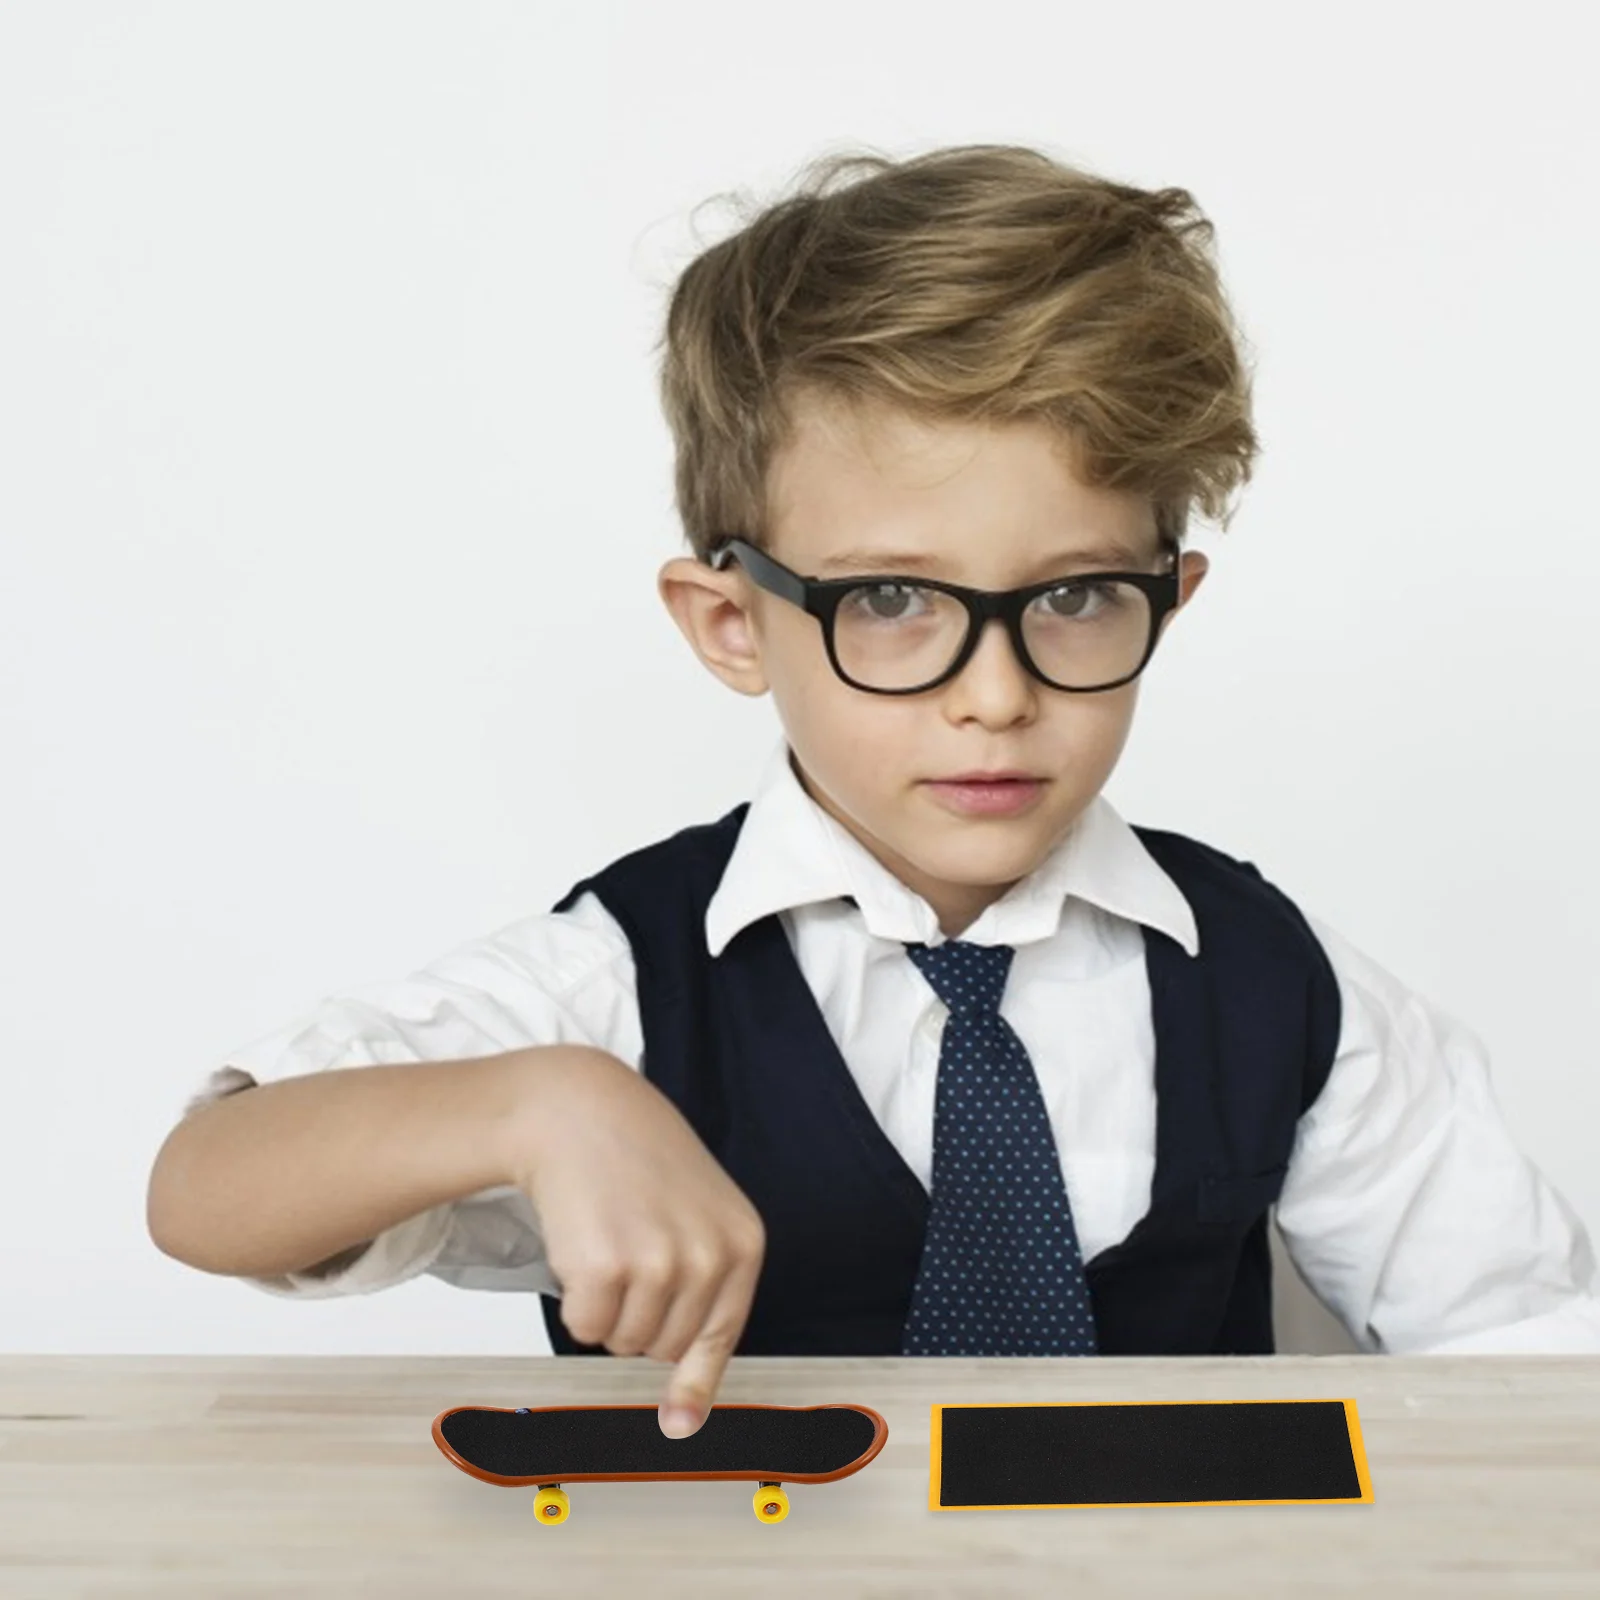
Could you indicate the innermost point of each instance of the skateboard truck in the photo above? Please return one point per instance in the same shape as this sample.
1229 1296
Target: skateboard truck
551 1504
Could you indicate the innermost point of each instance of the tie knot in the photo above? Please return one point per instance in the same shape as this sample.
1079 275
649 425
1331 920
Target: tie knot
967 977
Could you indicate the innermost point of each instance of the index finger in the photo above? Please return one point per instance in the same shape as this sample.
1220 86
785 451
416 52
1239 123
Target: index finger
693 1386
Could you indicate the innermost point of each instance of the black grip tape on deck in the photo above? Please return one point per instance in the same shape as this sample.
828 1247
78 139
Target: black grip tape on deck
1147 1453
555 1444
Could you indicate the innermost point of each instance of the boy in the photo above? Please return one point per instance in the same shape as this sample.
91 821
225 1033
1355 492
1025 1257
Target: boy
753 1088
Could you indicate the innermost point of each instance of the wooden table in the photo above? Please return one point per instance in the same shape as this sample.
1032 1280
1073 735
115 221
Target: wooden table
181 1476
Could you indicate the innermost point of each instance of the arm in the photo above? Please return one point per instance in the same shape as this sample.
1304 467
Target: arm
1409 1208
284 1175
656 1248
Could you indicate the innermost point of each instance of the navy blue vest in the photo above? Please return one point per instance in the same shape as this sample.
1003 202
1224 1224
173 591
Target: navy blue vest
1245 1034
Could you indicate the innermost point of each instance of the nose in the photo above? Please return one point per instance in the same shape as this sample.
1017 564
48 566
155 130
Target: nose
995 669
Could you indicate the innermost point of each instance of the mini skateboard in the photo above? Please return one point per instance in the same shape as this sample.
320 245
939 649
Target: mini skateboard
552 1445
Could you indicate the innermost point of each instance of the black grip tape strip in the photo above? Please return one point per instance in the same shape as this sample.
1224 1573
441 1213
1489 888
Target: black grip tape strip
1172 1452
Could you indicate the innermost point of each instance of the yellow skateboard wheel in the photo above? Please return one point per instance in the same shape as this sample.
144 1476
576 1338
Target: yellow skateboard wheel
771 1503
551 1504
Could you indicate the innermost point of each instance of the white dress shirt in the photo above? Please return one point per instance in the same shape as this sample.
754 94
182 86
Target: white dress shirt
1407 1207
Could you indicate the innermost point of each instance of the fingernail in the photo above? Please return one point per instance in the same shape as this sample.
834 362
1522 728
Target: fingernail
678 1422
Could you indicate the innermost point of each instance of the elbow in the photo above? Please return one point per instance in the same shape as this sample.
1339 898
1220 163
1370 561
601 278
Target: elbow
159 1211
165 1208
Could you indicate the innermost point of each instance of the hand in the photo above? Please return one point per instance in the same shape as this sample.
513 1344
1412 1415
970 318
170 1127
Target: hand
655 1247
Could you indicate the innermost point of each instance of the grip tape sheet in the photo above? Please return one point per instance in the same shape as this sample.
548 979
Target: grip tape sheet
1146 1453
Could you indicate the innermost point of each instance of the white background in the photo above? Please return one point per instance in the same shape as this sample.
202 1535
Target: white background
330 457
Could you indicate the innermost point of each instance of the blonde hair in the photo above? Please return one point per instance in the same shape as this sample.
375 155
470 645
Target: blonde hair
980 283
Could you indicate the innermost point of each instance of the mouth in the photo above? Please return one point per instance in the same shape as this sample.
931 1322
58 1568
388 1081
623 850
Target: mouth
1006 775
987 794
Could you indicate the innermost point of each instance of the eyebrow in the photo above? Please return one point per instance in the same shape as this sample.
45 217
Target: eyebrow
1109 556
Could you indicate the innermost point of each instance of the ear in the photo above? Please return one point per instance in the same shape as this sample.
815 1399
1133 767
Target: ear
714 613
1191 573
1192 570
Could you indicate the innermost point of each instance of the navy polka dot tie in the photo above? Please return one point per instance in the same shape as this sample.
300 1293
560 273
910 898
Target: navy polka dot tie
1001 1272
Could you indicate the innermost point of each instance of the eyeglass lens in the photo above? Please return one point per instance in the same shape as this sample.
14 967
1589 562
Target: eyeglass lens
1080 635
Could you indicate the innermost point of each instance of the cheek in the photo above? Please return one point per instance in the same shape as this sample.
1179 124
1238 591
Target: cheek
855 741
1098 727
858 735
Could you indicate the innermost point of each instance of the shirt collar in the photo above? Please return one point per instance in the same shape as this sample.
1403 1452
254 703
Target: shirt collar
790 852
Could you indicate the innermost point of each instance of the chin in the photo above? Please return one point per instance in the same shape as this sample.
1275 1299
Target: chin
977 862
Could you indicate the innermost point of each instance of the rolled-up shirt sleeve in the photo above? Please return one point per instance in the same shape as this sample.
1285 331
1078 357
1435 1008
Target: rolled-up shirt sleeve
1408 1207
557 978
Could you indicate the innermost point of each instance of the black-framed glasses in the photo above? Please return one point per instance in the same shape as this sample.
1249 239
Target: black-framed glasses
893 634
